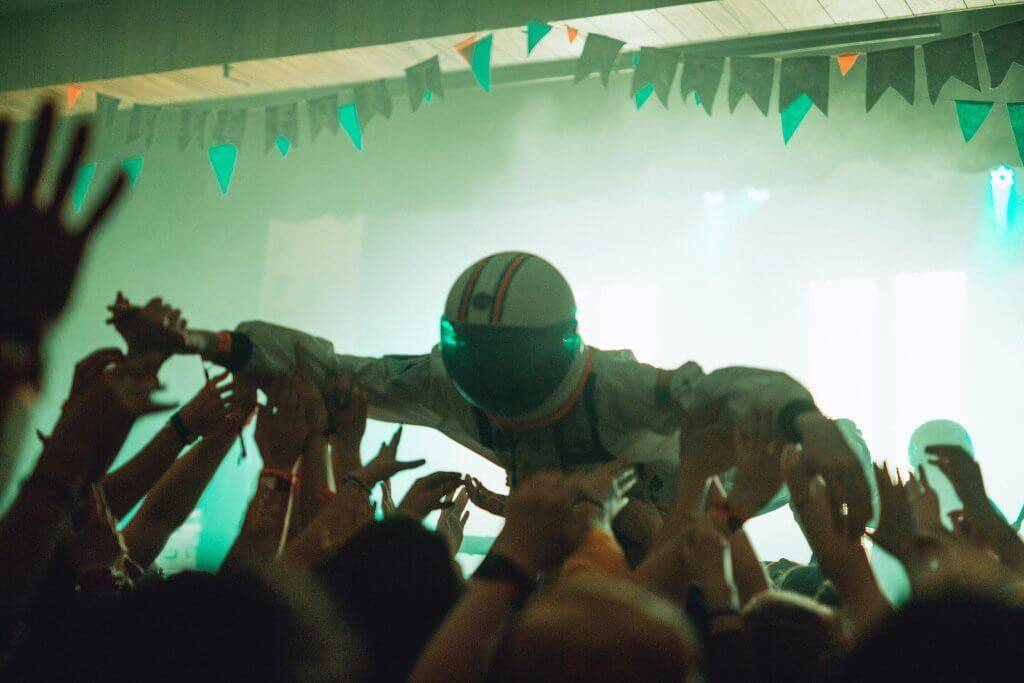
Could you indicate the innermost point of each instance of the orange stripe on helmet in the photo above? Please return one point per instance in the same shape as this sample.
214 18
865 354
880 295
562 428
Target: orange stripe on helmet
468 293
499 296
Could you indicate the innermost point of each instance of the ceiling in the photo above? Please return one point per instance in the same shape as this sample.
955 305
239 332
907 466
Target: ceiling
686 24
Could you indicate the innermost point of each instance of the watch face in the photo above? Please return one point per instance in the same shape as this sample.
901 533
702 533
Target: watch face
508 371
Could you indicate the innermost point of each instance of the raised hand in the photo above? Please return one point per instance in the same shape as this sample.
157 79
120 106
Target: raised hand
387 501
896 531
963 473
385 464
346 421
430 493
605 488
156 327
484 498
39 252
924 504
88 369
758 466
451 523
281 430
541 526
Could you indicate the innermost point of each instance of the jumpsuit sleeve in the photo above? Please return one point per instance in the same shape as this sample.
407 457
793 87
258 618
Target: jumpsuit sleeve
732 394
403 389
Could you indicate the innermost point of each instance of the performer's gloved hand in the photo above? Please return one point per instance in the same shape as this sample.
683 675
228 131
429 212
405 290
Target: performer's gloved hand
156 327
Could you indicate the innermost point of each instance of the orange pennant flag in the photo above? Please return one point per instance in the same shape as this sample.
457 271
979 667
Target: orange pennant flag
573 32
74 91
461 47
846 62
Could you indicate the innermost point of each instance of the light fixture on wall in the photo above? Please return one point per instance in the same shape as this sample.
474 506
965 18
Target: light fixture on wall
1002 179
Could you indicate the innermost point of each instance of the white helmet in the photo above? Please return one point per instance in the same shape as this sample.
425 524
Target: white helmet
509 339
939 433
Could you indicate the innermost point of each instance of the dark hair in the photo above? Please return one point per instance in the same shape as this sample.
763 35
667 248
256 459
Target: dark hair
396 582
790 637
961 635
199 626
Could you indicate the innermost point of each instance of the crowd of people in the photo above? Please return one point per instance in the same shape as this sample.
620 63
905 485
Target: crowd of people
330 579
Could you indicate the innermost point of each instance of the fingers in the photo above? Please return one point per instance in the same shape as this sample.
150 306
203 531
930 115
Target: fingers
70 169
396 439
37 154
108 202
5 128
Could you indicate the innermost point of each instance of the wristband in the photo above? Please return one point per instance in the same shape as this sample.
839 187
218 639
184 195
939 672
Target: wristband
785 421
55 484
182 430
352 479
223 347
497 567
278 480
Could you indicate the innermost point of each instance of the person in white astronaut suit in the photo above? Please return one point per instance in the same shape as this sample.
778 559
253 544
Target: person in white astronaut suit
512 380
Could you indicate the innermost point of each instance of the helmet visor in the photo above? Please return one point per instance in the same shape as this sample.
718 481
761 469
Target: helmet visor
507 371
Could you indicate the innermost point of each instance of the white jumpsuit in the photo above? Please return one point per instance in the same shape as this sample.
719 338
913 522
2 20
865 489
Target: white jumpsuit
628 410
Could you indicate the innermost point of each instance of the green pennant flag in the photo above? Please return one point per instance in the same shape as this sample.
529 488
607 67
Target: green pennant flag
889 69
133 167
793 115
348 117
599 53
1004 46
222 159
535 32
83 179
702 74
654 70
950 58
970 116
1016 112
423 81
480 63
284 145
751 76
642 95
372 99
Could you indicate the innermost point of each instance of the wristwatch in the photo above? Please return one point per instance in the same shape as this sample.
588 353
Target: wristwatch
497 567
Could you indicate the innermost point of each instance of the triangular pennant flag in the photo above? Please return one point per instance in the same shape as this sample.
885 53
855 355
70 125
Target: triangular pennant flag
950 58
193 127
372 99
222 159
1004 47
571 33
229 126
481 62
106 111
284 145
133 167
73 93
804 76
702 74
142 124
890 69
281 121
793 115
348 117
423 80
751 76
970 116
323 113
1016 112
655 69
83 179
847 61
465 49
599 53
641 96
535 32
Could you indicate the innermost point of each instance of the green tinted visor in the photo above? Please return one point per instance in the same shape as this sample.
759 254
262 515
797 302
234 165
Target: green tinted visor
508 371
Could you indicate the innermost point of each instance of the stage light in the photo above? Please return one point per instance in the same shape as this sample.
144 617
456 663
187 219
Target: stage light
758 195
1002 178
714 199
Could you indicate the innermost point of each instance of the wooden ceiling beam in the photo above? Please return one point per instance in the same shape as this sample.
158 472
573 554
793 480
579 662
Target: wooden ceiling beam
91 41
